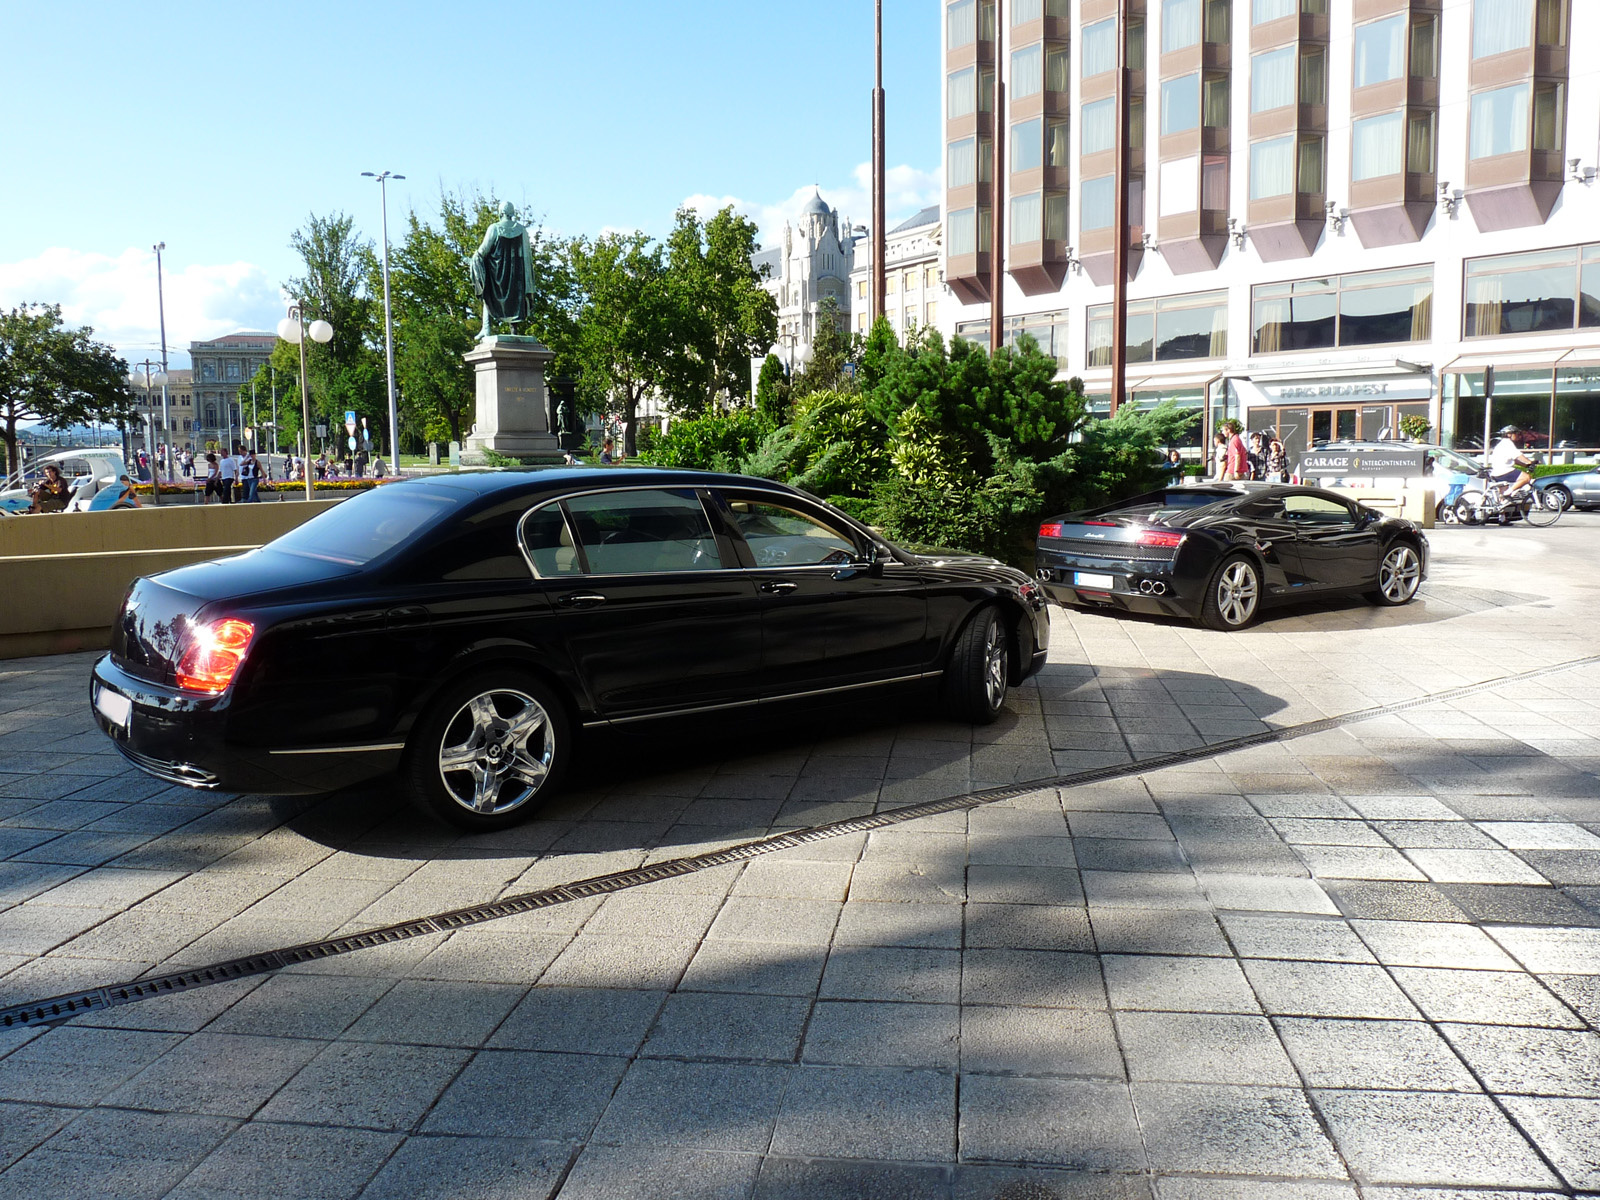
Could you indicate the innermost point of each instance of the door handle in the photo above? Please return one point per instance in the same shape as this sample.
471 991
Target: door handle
581 600
778 586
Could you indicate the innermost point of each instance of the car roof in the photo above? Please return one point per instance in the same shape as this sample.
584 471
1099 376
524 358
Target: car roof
556 480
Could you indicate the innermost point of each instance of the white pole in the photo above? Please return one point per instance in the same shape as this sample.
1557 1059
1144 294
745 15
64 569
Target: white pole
388 320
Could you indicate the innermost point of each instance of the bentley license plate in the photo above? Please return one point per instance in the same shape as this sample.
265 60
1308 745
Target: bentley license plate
114 706
1099 582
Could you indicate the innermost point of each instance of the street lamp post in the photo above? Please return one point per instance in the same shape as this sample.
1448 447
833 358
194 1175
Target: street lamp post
166 414
150 382
293 329
388 319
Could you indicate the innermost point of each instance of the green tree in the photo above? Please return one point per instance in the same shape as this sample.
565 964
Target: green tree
832 350
725 316
772 390
628 329
61 376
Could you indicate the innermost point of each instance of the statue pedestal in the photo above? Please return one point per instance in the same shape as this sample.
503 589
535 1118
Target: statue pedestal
512 402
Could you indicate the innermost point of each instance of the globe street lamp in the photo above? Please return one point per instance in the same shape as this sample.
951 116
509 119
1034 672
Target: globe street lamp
293 329
388 320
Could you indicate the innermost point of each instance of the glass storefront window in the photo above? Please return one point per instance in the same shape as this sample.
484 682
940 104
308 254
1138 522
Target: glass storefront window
1167 329
1520 398
1522 293
1366 309
1577 409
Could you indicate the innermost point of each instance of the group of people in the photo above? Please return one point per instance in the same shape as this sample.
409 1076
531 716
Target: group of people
54 492
233 476
1261 457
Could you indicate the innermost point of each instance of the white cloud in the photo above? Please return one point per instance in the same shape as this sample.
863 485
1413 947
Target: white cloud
117 297
906 190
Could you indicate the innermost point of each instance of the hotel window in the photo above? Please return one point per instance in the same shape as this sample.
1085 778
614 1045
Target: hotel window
1372 308
986 28
1099 125
1099 47
1500 26
1543 292
1381 50
1027 216
1377 146
1135 45
1313 76
986 90
1547 112
1311 158
861 289
1164 330
1499 122
1272 79
1027 71
890 284
962 93
961 27
909 283
1425 47
1055 217
1027 145
933 311
963 162
1420 156
1550 22
1023 11
1215 102
963 231
1262 11
1099 201
930 279
1057 68
1180 103
1135 123
1057 152
861 322
1180 24
1272 168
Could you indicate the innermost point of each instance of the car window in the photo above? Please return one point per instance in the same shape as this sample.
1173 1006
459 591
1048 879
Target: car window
1315 510
548 540
476 548
784 537
627 532
360 529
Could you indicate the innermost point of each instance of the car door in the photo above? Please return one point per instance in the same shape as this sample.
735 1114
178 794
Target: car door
1336 544
653 616
835 610
1276 537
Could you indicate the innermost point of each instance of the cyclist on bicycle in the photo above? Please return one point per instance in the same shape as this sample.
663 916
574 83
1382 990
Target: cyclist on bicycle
1507 462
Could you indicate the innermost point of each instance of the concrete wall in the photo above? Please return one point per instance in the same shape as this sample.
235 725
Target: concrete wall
62 577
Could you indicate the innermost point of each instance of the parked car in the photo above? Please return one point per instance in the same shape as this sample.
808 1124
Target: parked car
462 629
1218 554
1581 489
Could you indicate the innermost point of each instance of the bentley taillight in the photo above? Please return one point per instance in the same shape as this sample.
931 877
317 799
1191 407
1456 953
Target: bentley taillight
1164 538
212 654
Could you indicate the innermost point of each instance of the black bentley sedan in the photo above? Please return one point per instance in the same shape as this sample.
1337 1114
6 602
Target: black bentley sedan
462 629
1220 553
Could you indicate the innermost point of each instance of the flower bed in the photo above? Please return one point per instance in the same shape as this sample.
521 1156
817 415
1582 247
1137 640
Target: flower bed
189 487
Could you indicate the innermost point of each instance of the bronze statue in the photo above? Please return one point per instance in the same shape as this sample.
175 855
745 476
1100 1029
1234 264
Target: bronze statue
502 271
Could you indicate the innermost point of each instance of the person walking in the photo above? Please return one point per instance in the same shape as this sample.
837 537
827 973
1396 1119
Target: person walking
1219 456
228 471
213 479
1236 463
608 452
378 471
322 464
249 475
1257 455
1277 462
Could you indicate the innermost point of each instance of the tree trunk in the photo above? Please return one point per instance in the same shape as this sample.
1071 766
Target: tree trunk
630 439
13 462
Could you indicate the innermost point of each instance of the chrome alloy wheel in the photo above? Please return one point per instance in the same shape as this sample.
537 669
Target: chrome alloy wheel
1237 593
496 752
1399 574
995 664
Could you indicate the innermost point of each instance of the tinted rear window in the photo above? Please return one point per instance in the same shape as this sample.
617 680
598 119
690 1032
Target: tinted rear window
365 527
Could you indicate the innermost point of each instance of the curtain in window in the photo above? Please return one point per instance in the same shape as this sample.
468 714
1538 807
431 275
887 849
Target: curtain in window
1422 313
1056 147
1271 317
1271 10
1485 306
1055 217
1380 50
1214 185
962 23
1311 166
1501 25
963 163
1499 122
1057 8
1099 48
1377 146
1023 11
1180 24
1027 71
1057 68
1215 104
1099 342
1027 214
1419 144
961 92
1219 333
1099 126
1272 79
963 230
1272 168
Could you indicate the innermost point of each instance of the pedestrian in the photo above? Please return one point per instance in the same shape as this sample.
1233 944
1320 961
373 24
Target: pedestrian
322 464
378 470
249 476
188 463
1219 456
1257 455
228 475
608 452
1236 462
1174 466
1277 462
213 478
361 463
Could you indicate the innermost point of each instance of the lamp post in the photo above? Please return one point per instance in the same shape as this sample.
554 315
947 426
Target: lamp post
293 330
166 415
388 319
159 379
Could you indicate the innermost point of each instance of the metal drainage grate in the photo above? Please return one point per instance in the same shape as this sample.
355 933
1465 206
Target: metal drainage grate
63 1008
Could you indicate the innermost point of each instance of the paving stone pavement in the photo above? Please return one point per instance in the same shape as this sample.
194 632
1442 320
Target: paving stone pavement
1366 960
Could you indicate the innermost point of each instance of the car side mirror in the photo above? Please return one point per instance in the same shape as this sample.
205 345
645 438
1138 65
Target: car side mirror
868 562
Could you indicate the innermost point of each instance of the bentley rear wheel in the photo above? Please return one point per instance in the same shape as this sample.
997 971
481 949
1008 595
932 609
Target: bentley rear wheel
487 751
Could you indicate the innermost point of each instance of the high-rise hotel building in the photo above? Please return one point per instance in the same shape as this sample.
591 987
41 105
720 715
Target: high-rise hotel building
1342 211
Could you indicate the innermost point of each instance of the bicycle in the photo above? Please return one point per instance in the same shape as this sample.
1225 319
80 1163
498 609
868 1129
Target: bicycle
1496 503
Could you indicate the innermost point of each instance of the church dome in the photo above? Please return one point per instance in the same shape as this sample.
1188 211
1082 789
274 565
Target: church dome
816 206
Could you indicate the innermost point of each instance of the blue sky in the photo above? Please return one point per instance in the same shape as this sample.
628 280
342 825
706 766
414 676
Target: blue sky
218 127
